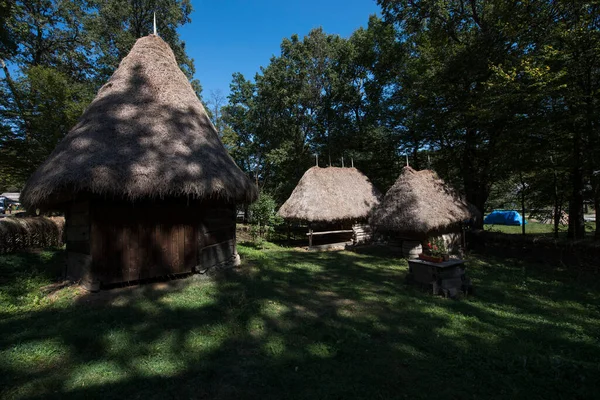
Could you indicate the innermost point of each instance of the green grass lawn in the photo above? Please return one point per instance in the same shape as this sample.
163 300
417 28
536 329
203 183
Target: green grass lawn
292 324
536 228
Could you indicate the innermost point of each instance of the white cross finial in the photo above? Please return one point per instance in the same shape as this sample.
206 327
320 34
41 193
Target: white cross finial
155 24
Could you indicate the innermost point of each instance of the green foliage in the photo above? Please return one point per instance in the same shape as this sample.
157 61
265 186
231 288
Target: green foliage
68 49
24 275
43 105
7 41
263 217
321 96
436 246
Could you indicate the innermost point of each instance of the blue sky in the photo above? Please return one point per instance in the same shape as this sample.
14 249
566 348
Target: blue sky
227 36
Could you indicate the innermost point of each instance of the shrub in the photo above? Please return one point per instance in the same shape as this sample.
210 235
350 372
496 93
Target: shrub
263 217
34 232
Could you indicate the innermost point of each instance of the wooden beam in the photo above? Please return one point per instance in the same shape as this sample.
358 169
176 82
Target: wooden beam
311 233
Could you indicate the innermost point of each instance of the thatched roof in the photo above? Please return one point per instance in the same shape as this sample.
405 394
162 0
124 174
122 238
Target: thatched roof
420 203
145 135
331 194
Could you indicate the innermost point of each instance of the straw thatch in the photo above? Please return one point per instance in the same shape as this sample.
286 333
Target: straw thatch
31 232
145 135
331 194
420 203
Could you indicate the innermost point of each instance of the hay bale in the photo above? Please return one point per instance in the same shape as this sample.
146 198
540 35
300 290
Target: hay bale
27 233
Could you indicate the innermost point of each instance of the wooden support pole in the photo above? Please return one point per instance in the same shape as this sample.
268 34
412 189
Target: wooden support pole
310 235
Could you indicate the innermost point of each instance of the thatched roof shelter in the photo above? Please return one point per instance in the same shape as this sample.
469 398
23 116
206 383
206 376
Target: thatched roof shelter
146 185
420 203
145 135
331 194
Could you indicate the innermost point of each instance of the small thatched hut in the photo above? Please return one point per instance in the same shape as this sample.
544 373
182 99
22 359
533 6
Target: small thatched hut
420 205
335 199
147 187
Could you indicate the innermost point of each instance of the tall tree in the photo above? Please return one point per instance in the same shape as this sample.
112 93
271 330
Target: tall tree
455 45
67 49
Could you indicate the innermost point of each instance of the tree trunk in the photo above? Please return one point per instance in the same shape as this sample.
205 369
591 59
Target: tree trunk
576 222
522 203
474 179
597 206
556 205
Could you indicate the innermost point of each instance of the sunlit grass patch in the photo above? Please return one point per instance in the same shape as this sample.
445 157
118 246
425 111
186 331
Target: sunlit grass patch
297 324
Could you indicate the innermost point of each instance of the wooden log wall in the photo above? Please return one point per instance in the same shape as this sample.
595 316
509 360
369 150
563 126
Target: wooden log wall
362 233
77 233
217 236
131 242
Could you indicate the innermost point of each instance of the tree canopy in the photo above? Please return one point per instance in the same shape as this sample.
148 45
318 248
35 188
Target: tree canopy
55 55
500 98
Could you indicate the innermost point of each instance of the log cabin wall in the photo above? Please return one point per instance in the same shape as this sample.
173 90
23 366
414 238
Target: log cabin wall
136 241
77 230
216 236
362 233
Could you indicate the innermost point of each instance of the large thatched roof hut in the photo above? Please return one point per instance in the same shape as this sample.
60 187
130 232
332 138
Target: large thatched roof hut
147 186
334 197
420 204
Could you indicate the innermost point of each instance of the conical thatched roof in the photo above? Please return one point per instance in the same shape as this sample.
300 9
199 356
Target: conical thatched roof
145 135
420 203
331 194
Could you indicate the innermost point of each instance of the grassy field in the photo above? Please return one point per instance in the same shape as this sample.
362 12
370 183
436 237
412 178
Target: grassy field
536 228
298 325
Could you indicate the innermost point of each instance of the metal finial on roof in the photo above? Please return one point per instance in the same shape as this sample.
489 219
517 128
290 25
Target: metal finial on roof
155 24
342 162
317 160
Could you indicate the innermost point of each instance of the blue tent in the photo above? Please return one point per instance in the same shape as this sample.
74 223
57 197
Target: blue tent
500 217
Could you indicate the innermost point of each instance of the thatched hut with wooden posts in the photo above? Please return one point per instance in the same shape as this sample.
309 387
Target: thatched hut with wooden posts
419 206
146 185
333 201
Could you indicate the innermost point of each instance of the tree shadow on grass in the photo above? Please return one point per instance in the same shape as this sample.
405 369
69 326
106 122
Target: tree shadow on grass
292 324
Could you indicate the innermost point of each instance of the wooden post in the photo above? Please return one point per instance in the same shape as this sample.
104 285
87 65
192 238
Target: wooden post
310 235
288 234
